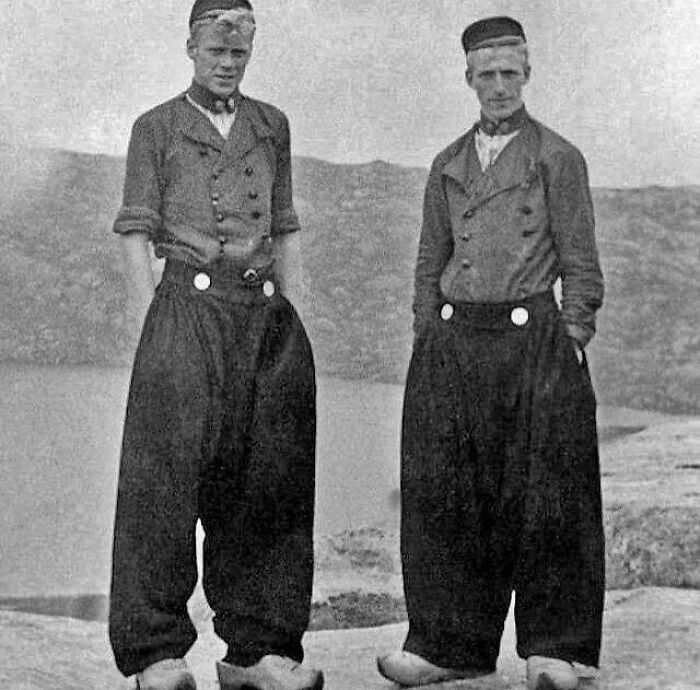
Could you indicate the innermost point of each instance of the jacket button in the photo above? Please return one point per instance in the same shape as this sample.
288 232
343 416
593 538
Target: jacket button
466 263
468 213
220 217
222 240
248 171
466 236
252 195
519 316
256 214
214 196
447 312
202 282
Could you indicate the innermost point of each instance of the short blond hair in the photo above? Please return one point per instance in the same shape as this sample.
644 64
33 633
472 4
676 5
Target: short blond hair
225 18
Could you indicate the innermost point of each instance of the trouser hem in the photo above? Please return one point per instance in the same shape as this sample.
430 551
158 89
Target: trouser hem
131 664
572 654
249 654
453 658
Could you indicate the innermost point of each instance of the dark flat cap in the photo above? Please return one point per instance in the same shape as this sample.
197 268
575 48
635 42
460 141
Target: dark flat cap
202 6
481 33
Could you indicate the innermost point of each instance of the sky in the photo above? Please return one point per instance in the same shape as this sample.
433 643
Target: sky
363 80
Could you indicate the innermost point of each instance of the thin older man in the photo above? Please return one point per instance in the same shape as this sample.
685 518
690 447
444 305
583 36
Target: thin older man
500 472
220 423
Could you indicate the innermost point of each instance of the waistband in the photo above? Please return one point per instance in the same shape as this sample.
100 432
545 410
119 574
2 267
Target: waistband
515 315
243 286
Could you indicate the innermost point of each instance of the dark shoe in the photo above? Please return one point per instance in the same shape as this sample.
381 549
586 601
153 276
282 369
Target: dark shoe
168 674
546 673
408 669
270 673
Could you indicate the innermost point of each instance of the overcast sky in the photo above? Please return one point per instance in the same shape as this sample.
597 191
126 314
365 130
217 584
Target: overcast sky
364 80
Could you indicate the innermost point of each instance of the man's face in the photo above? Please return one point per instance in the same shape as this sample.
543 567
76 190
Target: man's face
220 58
498 75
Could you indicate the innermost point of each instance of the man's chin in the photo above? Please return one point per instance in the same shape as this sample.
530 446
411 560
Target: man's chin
498 114
225 90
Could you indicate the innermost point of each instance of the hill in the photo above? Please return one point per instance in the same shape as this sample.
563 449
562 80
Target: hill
63 297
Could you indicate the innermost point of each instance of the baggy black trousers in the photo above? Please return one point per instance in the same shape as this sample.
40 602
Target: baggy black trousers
501 490
220 426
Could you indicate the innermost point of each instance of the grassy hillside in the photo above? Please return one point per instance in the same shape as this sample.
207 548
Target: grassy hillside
63 297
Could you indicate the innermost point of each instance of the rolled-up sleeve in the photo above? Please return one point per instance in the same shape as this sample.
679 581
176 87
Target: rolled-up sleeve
284 217
141 201
573 229
434 248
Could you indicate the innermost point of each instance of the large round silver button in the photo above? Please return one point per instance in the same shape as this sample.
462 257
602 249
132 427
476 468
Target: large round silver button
447 312
268 288
202 281
519 316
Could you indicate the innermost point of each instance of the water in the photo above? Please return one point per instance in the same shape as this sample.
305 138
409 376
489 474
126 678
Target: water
60 432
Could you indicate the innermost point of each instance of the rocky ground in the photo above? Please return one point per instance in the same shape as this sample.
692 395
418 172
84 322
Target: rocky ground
652 642
651 485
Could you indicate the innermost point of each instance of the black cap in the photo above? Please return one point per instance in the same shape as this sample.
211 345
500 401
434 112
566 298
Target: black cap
202 6
481 33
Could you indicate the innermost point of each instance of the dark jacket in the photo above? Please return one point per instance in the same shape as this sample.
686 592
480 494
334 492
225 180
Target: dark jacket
200 197
510 232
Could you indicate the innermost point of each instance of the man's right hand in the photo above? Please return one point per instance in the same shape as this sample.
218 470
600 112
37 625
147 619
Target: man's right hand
139 274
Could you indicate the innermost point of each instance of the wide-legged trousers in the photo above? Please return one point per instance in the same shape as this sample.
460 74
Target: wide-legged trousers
220 427
501 489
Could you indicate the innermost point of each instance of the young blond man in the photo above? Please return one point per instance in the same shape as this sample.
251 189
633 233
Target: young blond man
220 423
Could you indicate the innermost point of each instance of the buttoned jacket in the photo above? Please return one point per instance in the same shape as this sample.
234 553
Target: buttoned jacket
202 198
510 232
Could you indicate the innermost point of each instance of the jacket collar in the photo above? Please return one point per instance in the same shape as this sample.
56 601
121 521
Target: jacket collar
458 166
248 128
512 123
209 100
517 166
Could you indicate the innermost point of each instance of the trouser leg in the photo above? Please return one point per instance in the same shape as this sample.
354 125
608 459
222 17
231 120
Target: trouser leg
168 429
258 502
456 555
500 491
561 580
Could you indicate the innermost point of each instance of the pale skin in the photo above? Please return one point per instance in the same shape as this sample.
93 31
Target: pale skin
497 74
219 57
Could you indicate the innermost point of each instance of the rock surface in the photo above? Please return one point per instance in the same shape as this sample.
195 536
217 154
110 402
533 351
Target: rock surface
652 642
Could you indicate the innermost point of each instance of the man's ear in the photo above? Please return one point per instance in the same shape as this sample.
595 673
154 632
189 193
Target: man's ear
527 71
191 48
468 76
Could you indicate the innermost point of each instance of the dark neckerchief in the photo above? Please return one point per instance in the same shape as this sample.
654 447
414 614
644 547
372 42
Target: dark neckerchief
511 124
209 100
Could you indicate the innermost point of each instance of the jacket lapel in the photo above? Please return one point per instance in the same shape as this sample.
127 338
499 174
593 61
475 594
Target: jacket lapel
197 127
457 168
248 129
513 168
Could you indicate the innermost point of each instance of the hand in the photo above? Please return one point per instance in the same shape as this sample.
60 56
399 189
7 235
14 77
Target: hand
578 349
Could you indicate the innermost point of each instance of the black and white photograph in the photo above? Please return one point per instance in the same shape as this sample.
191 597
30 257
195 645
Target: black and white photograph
350 345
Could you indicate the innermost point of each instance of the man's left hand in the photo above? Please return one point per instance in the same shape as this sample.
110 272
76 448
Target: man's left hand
578 349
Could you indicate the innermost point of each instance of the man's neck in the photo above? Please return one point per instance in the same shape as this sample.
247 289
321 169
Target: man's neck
211 101
507 125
